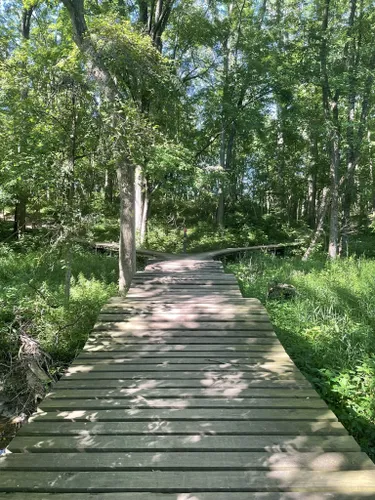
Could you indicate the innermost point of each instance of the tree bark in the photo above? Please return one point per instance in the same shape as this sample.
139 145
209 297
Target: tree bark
127 253
351 54
223 135
334 174
330 109
320 226
145 212
138 199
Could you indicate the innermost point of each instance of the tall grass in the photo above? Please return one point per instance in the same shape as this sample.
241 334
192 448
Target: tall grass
328 329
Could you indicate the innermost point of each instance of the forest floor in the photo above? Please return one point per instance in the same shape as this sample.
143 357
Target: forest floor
327 328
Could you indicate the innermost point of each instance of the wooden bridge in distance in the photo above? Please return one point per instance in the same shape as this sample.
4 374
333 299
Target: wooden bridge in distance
183 392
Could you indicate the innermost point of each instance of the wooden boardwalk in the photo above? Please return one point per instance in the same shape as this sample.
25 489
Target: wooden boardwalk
183 392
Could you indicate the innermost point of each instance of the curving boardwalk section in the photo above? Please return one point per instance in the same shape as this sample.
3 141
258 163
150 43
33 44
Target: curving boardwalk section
183 392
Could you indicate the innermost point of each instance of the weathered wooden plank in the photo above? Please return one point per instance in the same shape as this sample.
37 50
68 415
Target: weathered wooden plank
212 414
199 350
182 370
176 357
176 482
223 279
209 300
184 427
230 327
184 358
178 339
214 310
66 444
181 317
212 402
197 495
247 366
185 288
191 272
209 383
242 304
227 392
182 290
210 270
184 266
82 372
202 460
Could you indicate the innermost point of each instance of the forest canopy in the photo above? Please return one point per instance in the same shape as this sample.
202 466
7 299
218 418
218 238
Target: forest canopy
253 117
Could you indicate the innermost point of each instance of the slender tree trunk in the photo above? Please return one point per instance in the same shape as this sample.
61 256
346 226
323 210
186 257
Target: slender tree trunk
330 108
127 253
334 174
68 276
138 199
223 135
312 181
108 186
220 205
16 222
20 208
320 226
351 55
146 205
19 224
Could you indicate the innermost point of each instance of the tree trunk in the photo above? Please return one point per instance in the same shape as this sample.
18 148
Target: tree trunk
108 186
312 180
351 54
146 205
334 174
330 109
68 276
320 225
127 252
220 207
19 224
138 199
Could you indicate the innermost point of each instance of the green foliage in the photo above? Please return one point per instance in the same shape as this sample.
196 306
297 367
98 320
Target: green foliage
32 299
327 328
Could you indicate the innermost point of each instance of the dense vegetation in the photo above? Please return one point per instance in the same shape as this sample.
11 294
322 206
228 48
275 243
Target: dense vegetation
246 122
328 328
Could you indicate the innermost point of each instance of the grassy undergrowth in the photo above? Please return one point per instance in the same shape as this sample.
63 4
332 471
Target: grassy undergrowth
32 301
328 329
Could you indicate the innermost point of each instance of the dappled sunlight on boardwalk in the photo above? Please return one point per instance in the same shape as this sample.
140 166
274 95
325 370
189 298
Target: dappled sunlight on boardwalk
183 392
